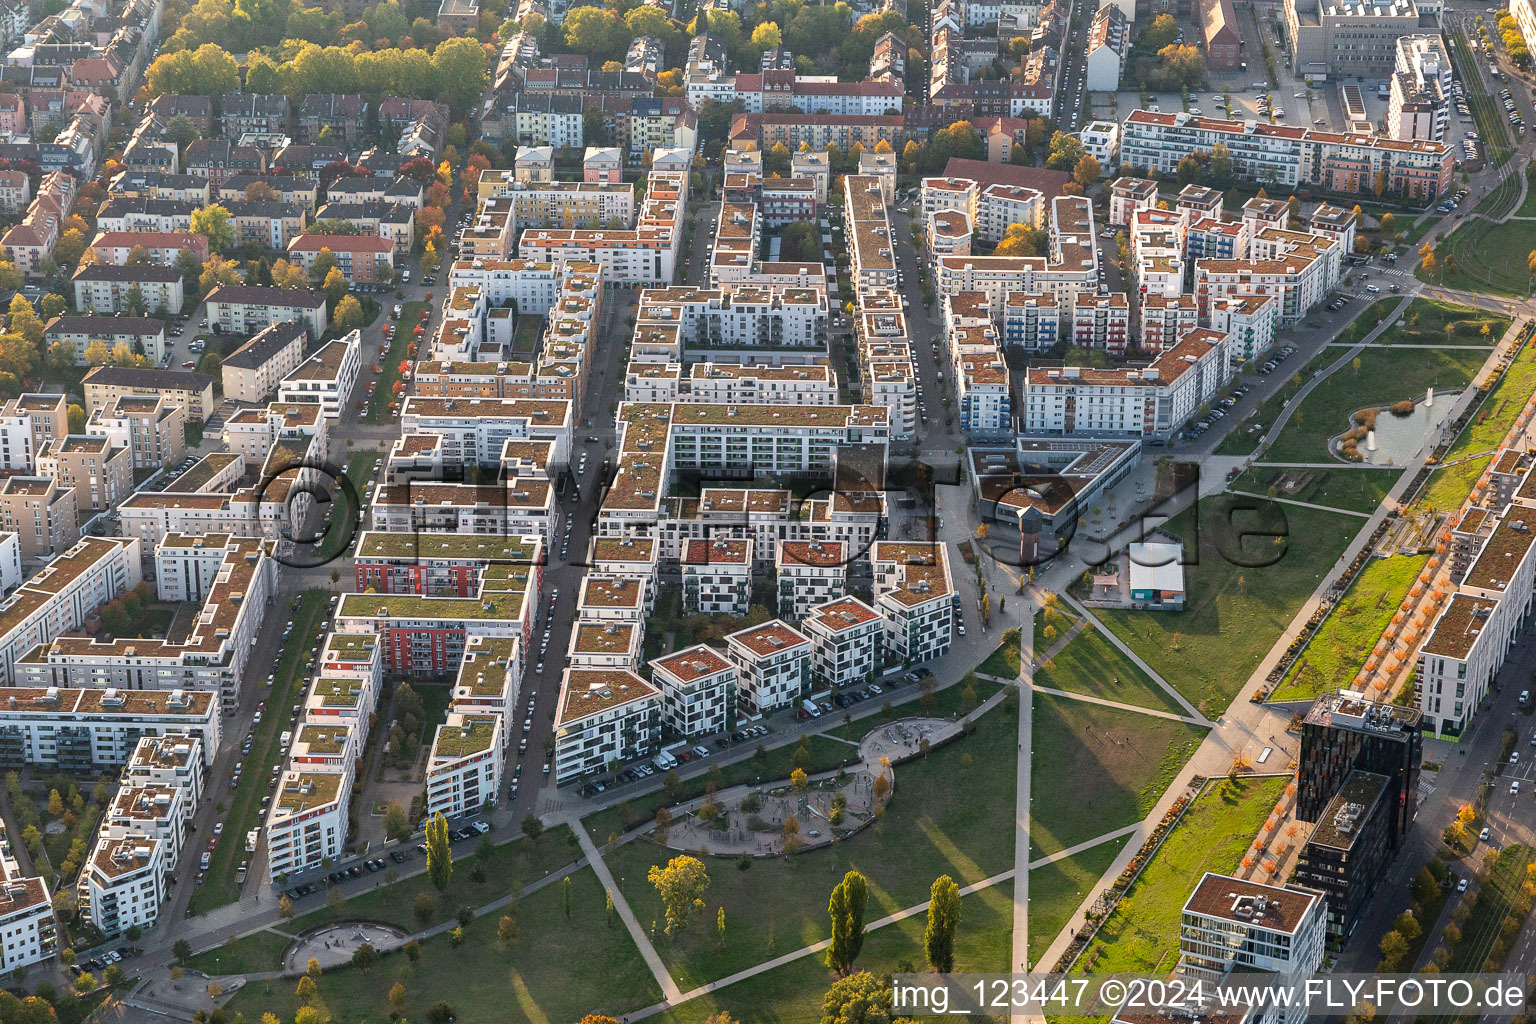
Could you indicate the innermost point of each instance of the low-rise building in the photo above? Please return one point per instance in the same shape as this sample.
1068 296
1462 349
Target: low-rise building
915 596
464 768
75 335
193 391
809 573
717 576
103 288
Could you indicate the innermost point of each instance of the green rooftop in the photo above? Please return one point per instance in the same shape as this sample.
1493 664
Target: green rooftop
351 647
310 789
324 739
343 693
474 736
469 547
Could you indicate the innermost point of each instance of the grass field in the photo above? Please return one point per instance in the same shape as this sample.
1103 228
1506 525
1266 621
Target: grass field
253 954
1353 490
244 812
344 526
1490 258
1481 929
510 866
1449 486
1241 594
1004 662
1090 664
1430 322
952 813
558 969
1098 768
401 347
1142 933
1384 376
1241 440
1339 648
792 994
1059 888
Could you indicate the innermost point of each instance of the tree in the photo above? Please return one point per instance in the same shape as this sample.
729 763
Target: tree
1065 153
1018 240
506 931
767 36
70 246
211 363
439 853
396 826
595 31
846 908
313 968
1086 171
324 262
181 949
134 303
1393 948
218 273
288 275
306 990
859 998
943 919
215 222
284 907
397 996
681 885
364 957
349 312
334 285
532 826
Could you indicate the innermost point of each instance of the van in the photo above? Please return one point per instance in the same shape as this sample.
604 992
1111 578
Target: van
664 761
285 739
810 708
250 841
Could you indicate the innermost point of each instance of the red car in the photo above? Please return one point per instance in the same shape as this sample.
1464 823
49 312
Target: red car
189 364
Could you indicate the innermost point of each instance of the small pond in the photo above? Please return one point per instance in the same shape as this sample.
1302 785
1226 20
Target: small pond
1397 439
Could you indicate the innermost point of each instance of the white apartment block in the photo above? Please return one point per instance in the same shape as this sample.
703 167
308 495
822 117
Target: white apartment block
1128 197
172 761
90 730
28 933
847 637
717 576
1248 322
122 883
1165 321
476 430
809 573
327 377
59 598
307 825
605 716
464 768
915 596
1069 268
605 645
698 691
868 230
1151 402
1233 925
773 666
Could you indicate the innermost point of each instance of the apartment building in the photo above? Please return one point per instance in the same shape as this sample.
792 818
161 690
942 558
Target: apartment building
717 576
809 573
1167 320
185 388
1351 38
254 370
847 638
41 511
1288 157
141 334
773 666
162 247
1248 321
122 883
327 378
101 475
1153 401
357 256
91 731
307 825
28 933
464 767
604 715
698 691
28 422
172 761
915 596
152 427
102 288
1232 925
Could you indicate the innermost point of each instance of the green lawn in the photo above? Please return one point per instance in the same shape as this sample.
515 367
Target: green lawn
1481 929
1385 375
1091 664
1367 320
949 702
344 526
401 347
1097 768
511 865
1004 662
1237 606
1353 490
253 954
1490 258
1449 486
244 812
558 969
1426 321
1339 649
952 812
1240 440
792 994
825 755
1142 933
1059 888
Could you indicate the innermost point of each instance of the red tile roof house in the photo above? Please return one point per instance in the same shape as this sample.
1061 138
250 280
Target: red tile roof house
356 255
32 241
99 74
113 247
15 191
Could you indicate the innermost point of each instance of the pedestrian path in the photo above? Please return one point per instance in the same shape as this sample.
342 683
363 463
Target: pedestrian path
636 933
1304 504
1135 658
1105 702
